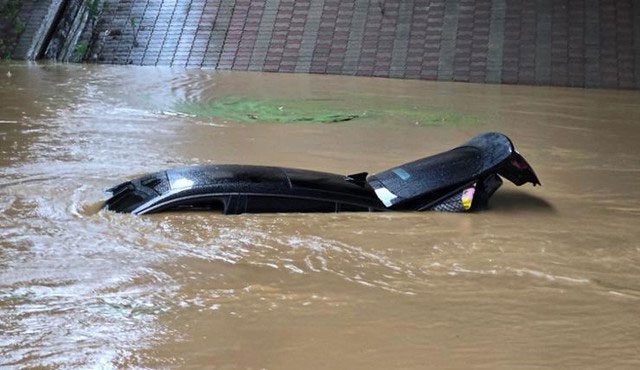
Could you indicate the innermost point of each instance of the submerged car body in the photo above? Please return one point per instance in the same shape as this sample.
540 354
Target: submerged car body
460 179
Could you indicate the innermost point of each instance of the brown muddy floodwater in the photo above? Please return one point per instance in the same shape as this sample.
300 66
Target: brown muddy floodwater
548 277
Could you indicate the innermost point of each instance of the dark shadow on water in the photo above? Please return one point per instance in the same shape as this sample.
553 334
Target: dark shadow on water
519 201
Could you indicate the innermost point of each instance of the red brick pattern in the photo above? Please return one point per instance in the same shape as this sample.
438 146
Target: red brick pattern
322 51
386 37
417 38
340 37
472 41
432 34
231 44
565 42
479 40
204 27
295 29
248 35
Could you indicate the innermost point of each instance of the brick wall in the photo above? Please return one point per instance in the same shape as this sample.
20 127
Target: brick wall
585 43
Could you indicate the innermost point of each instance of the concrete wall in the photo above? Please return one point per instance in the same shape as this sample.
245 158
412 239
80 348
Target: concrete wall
30 15
592 43
53 29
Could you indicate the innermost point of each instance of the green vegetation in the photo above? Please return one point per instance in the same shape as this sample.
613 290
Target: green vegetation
246 110
92 7
81 49
18 25
134 24
314 111
10 9
11 26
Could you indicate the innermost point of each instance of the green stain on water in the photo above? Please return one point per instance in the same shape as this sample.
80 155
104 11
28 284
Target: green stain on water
316 111
248 110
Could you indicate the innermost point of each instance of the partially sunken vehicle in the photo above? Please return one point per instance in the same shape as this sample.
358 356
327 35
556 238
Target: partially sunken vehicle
461 179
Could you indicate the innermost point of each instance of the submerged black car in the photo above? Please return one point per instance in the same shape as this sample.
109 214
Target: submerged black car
460 179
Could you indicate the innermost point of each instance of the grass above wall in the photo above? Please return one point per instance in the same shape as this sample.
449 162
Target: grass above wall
248 110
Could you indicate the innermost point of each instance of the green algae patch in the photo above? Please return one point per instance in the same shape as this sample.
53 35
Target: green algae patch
247 110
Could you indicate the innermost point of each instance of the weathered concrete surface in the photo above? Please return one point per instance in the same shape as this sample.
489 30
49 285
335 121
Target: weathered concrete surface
585 43
38 18
14 16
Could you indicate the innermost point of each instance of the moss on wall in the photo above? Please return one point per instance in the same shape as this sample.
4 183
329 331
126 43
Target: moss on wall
11 26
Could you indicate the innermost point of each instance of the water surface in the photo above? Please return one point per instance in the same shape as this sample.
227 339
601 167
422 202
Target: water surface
548 277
